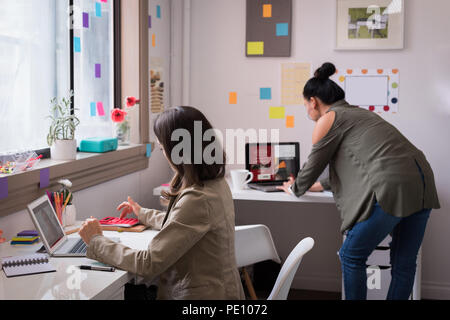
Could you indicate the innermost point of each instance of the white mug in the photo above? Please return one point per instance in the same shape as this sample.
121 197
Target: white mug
240 178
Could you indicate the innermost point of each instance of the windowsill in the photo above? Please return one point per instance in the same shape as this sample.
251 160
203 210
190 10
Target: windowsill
88 170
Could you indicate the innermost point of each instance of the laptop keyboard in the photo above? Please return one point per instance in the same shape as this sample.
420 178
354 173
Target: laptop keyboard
79 247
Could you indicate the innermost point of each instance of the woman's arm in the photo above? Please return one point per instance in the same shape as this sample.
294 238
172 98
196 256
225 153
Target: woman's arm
188 223
326 140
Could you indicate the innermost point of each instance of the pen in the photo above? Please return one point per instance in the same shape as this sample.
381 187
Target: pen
93 268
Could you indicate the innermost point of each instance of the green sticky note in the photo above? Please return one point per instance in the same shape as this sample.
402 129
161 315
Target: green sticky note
277 112
255 48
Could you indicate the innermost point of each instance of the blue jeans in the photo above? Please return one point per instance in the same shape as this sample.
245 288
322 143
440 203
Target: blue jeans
363 238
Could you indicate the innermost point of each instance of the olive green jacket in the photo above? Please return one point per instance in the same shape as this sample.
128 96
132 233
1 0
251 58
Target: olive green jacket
193 255
370 160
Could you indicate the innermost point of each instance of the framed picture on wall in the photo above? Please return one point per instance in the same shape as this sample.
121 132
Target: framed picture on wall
370 24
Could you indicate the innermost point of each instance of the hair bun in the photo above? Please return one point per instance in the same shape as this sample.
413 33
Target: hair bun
325 71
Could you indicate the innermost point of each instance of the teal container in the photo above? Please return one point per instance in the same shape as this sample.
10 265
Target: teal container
99 145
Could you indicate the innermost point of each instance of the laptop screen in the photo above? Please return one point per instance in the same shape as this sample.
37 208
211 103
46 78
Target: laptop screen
48 223
273 162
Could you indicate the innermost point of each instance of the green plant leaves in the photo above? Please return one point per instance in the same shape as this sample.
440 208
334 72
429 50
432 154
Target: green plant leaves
64 123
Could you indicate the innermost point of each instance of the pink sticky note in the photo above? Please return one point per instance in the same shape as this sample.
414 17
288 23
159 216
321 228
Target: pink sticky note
105 1
100 109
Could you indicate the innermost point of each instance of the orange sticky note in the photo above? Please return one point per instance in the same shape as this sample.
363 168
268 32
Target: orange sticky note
153 40
233 97
267 11
290 122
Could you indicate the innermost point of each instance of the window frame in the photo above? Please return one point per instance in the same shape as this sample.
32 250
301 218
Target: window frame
92 169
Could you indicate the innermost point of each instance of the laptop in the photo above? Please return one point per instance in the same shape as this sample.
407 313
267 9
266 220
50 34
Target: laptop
52 233
272 164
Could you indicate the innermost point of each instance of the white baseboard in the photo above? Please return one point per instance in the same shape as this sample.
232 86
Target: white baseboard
317 282
435 290
430 290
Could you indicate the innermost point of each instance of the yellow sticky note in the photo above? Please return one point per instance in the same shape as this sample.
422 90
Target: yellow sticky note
255 48
290 122
267 11
277 112
233 97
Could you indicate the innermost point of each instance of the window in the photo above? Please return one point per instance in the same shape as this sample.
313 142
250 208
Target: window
34 63
48 47
93 49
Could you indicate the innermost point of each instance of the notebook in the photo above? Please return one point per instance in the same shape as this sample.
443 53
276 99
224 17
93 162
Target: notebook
26 265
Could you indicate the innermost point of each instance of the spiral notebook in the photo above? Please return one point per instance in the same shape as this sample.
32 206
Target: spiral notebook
26 265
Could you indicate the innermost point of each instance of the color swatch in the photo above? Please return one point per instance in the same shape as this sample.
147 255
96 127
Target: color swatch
282 29
98 9
85 20
233 98
100 109
277 112
98 70
267 11
44 178
93 109
255 48
158 12
290 122
265 93
149 150
77 44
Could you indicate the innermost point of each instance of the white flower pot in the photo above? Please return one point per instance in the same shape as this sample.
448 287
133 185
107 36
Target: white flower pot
64 150
69 216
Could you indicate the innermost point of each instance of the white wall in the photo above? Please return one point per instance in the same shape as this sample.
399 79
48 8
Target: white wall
218 66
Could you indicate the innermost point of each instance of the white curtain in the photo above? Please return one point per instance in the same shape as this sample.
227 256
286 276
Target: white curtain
33 69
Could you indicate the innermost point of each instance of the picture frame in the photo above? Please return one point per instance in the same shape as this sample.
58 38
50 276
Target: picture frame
370 24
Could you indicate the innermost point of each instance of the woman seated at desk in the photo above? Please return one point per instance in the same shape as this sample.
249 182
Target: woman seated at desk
193 254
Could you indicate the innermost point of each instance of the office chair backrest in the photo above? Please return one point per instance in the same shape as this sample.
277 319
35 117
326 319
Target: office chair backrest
286 276
254 244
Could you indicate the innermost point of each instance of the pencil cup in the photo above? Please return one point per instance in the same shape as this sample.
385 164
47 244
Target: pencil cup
69 216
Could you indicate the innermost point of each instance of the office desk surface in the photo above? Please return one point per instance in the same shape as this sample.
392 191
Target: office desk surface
62 285
255 195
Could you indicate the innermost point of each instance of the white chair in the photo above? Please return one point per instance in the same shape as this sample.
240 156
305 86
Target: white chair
253 244
282 286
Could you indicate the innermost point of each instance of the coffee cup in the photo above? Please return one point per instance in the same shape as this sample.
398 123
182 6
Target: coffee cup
241 178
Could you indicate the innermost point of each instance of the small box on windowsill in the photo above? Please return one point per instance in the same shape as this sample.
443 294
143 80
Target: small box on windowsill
99 145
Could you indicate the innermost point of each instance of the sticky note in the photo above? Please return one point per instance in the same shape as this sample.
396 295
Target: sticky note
77 44
100 109
290 122
153 40
255 48
105 1
277 112
282 29
98 9
267 11
3 188
265 93
149 22
93 109
85 19
98 70
149 150
158 12
233 97
44 178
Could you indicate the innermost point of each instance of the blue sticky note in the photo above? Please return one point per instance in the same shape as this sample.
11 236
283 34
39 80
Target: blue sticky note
282 29
98 9
158 12
44 177
3 188
149 150
265 94
77 44
93 109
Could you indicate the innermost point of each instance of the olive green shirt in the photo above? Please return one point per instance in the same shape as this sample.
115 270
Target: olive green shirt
370 161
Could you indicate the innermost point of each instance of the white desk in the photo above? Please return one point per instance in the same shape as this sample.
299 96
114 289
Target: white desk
62 285
255 195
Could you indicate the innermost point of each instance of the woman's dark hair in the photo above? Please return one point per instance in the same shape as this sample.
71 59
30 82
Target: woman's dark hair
188 173
322 87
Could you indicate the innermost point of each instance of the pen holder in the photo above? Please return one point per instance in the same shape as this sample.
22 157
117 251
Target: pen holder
69 216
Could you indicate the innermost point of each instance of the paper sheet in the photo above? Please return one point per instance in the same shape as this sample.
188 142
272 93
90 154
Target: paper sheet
277 112
294 77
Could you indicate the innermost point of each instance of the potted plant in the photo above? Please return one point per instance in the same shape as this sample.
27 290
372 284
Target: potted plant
61 136
122 127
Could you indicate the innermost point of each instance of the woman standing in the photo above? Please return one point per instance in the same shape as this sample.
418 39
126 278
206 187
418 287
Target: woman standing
193 254
381 182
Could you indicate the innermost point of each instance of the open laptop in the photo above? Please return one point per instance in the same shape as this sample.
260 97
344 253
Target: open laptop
272 164
52 233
